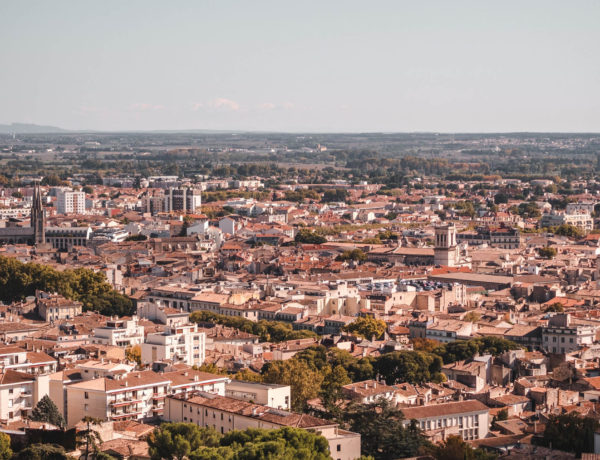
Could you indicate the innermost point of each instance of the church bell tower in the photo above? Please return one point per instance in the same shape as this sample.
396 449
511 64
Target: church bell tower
37 216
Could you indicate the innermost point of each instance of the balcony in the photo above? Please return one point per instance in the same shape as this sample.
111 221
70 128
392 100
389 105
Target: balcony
125 414
122 403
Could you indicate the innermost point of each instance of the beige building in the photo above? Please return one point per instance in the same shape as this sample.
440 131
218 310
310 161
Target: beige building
133 396
267 394
369 391
19 393
226 414
177 344
30 362
137 396
468 419
54 307
119 332
158 313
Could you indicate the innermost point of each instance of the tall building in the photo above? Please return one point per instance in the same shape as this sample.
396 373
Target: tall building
182 199
446 249
70 202
37 216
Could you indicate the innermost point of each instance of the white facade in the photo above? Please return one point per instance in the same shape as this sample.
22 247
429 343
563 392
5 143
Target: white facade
120 333
446 248
267 394
468 419
19 393
179 344
70 202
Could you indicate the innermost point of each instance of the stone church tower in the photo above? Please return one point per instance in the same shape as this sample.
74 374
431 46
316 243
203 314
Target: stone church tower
37 216
446 250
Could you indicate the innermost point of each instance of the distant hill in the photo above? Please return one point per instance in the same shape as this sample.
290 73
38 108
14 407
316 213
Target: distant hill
28 128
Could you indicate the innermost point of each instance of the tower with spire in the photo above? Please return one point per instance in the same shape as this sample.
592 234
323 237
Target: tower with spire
37 216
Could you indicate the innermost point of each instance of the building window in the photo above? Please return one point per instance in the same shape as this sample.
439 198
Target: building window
339 447
86 395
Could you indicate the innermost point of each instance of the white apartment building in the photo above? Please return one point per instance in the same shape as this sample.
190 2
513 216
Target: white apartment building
157 312
19 393
468 419
182 199
226 414
133 396
177 344
94 369
560 336
267 394
54 307
580 219
120 333
70 202
30 362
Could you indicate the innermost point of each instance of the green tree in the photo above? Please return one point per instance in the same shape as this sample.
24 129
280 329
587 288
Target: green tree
472 317
5 450
454 448
42 452
305 382
571 432
499 417
529 210
248 376
89 437
284 443
331 389
556 307
409 366
46 411
568 230
383 435
104 456
187 223
501 198
547 252
138 237
134 354
305 236
366 327
355 254
176 441
467 349
19 280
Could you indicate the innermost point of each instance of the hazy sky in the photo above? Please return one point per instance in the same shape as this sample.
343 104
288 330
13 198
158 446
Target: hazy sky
302 65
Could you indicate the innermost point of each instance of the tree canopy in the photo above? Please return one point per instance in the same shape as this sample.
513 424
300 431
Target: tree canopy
308 237
268 331
46 411
366 327
571 432
382 430
42 452
19 280
176 441
5 450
